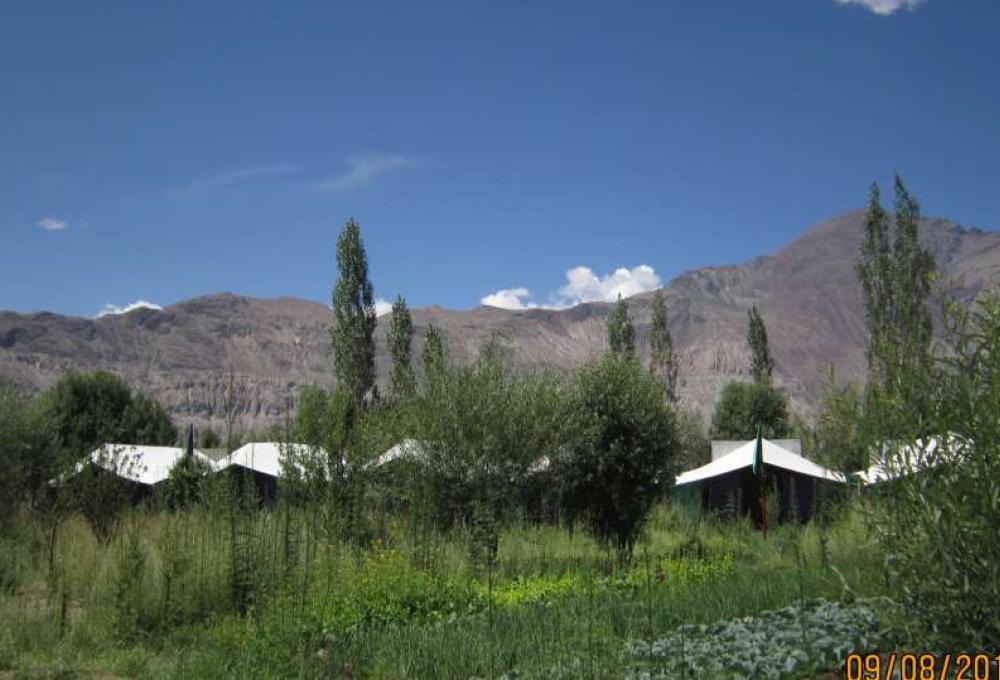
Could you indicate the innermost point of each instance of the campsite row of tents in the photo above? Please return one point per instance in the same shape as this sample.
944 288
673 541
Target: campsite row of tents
147 467
740 473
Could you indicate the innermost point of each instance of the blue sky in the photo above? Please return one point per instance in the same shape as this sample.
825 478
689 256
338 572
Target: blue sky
161 151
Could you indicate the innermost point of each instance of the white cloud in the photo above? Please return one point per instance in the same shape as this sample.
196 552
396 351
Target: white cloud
582 285
884 7
382 307
232 177
362 170
52 224
509 298
110 309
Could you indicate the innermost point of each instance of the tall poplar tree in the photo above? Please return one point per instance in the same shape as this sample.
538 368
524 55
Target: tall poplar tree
913 271
399 340
763 364
621 333
353 332
663 361
896 281
434 355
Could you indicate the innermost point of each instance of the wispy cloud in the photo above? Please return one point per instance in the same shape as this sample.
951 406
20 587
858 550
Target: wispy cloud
52 224
884 7
362 170
582 285
110 309
235 176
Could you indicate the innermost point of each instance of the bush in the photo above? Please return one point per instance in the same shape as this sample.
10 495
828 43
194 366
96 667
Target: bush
185 485
939 524
626 453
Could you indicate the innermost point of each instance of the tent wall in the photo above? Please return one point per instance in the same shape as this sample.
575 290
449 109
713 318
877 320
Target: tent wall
738 493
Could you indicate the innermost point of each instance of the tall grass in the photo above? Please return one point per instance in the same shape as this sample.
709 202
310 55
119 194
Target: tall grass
216 592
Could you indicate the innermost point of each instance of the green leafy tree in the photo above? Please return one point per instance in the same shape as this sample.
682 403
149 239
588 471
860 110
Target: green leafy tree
662 358
625 454
85 410
695 448
743 405
434 357
621 332
353 332
762 363
482 431
186 482
896 284
874 270
26 455
937 524
839 439
400 339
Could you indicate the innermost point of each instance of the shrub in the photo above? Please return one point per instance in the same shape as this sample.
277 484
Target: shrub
626 452
939 524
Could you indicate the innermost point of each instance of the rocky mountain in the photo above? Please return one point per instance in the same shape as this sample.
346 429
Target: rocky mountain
807 293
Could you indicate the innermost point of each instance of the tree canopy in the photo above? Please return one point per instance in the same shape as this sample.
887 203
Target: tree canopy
743 405
353 331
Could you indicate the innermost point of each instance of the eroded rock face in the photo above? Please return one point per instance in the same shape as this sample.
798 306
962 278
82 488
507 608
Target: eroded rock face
182 355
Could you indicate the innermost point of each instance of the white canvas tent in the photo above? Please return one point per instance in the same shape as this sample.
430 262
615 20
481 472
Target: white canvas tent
743 457
729 484
408 448
262 457
139 464
898 460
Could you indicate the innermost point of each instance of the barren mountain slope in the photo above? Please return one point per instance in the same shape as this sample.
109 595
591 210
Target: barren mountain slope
807 292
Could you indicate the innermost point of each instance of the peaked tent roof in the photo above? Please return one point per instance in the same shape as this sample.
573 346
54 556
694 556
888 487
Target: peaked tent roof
262 457
139 463
743 456
899 460
408 448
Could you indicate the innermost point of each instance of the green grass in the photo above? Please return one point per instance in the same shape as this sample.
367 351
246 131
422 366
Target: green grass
208 594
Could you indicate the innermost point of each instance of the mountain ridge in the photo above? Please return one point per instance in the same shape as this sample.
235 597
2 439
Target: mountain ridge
807 292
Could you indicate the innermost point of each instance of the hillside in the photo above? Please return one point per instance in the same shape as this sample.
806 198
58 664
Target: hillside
807 292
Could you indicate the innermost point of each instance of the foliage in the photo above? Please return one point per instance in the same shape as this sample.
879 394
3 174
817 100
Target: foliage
793 642
938 524
434 357
762 362
399 339
353 331
621 332
662 359
26 455
98 489
208 439
838 439
743 405
626 453
86 410
694 446
482 429
185 484
896 281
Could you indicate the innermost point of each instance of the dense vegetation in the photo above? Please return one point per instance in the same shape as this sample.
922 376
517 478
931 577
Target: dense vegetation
524 525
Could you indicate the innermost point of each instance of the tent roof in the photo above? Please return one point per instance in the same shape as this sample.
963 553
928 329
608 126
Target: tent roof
742 457
899 460
262 457
405 449
139 463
